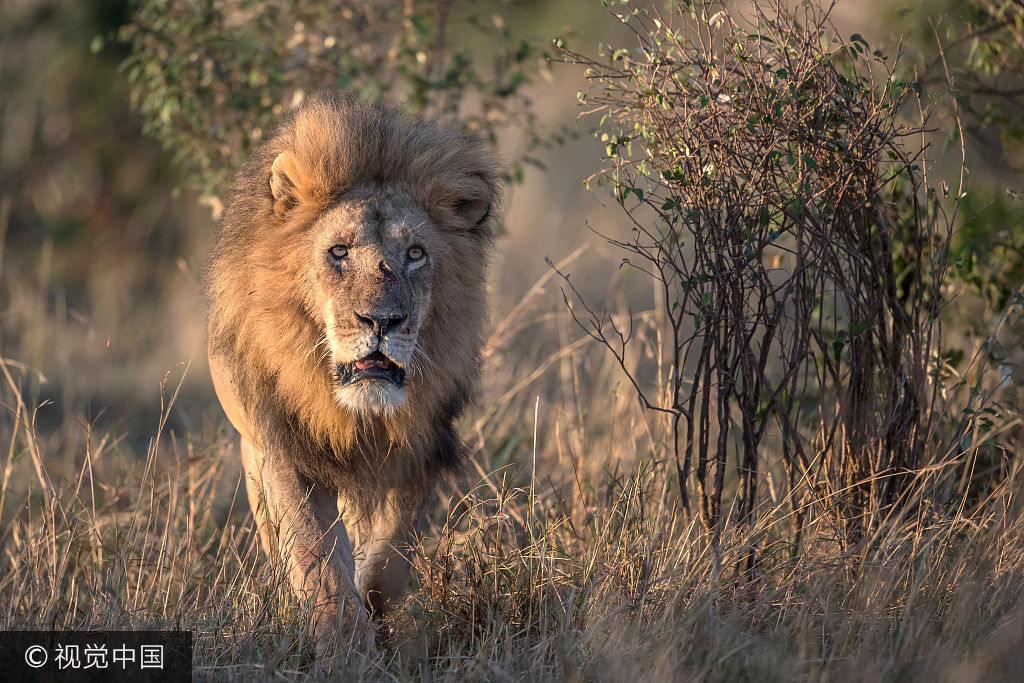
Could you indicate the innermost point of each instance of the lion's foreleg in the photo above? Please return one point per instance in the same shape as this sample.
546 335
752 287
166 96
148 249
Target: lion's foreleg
383 550
299 523
251 464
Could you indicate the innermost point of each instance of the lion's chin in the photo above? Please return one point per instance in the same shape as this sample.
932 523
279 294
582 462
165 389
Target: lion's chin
371 396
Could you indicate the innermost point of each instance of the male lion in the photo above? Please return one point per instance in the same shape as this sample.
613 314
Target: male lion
347 302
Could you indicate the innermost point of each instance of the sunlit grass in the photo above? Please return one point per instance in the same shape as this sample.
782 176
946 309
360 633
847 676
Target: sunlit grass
584 569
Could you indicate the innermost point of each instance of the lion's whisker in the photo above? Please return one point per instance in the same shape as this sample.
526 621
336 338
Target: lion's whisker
418 352
320 342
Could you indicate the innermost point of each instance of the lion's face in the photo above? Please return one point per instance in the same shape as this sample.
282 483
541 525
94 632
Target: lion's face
373 260
352 259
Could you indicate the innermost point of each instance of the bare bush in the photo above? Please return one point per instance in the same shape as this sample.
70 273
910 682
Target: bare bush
775 198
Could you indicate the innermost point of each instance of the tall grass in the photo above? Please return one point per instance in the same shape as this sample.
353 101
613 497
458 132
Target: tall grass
582 567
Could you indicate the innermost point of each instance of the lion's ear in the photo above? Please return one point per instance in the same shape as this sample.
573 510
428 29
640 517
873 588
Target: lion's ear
285 180
474 211
475 208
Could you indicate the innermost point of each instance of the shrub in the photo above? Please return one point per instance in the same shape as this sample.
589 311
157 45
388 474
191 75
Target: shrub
781 204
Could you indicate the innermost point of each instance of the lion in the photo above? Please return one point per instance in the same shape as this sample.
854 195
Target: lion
347 307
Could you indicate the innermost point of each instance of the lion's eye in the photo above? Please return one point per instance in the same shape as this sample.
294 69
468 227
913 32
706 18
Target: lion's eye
339 251
415 253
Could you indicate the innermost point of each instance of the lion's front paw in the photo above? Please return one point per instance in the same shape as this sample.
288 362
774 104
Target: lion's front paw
345 642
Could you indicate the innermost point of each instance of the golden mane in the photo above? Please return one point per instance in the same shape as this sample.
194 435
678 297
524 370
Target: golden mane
263 322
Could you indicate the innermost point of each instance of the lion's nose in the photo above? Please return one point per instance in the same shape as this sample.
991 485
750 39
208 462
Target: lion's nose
381 322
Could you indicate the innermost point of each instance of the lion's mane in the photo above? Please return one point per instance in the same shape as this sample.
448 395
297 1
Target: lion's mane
261 316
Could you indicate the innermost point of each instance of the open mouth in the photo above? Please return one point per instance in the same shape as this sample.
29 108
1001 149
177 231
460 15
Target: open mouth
376 366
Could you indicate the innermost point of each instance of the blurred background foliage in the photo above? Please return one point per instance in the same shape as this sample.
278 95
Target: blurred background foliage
99 253
121 120
211 79
969 59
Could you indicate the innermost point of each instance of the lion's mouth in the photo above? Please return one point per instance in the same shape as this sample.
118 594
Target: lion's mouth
376 366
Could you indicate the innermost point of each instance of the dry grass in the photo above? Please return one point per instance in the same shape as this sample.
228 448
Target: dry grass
583 568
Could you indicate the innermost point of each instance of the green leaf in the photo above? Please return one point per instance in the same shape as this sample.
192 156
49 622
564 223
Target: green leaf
421 24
